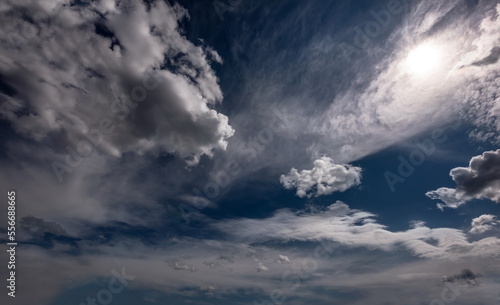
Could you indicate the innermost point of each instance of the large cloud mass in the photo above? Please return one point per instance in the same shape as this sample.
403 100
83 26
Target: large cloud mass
325 178
480 180
67 67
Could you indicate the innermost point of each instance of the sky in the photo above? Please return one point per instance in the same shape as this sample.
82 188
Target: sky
251 152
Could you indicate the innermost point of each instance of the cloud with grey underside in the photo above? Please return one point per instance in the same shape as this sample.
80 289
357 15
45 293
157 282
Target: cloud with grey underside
480 180
130 82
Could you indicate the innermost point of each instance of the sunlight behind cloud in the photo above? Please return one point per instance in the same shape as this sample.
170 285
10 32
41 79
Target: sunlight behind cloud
423 59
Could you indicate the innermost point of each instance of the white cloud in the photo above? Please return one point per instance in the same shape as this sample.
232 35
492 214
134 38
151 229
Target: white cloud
324 178
480 180
355 228
483 223
353 109
260 267
417 224
181 266
65 78
449 197
283 259
397 104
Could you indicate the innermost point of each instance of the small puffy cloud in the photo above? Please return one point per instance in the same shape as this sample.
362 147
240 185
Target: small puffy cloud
338 209
449 197
283 259
417 224
483 223
260 267
478 181
325 178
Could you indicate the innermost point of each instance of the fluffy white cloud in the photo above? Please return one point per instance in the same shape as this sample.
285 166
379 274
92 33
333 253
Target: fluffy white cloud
483 223
449 197
480 180
324 178
283 259
365 272
67 68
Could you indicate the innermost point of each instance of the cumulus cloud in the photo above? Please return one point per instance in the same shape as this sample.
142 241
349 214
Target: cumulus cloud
65 69
324 178
481 180
283 259
483 223
355 228
260 267
449 196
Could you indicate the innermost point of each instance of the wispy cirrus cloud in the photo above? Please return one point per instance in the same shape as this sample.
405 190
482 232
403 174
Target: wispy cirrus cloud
348 110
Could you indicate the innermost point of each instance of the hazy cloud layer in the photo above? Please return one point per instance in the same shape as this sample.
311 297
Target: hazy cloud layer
356 228
173 267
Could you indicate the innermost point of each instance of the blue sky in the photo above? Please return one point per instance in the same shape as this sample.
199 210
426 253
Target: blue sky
252 152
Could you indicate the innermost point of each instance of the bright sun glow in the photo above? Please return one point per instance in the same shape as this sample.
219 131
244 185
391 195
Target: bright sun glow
423 59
